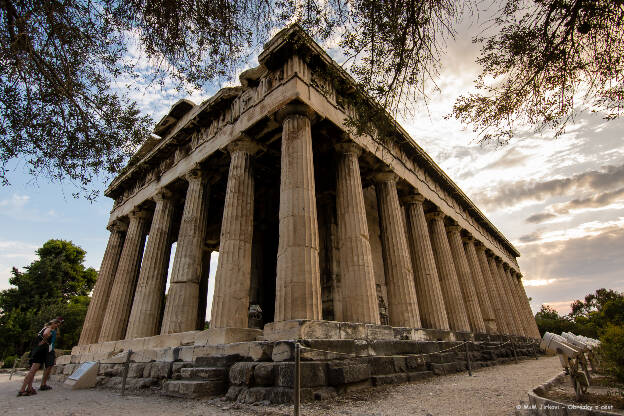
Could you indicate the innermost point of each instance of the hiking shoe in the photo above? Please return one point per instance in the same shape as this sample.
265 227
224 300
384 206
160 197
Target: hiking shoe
45 387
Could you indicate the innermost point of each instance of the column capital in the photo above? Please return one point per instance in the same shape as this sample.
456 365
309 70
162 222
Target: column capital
506 266
415 198
468 238
348 147
140 213
453 228
243 144
386 176
435 215
162 194
294 109
117 226
195 174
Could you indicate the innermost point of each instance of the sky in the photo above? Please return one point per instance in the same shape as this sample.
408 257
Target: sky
559 201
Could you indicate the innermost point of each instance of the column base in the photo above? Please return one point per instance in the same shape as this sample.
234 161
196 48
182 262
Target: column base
312 329
216 336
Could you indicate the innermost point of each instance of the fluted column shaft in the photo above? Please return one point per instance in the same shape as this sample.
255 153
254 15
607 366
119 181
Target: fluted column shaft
122 292
455 308
504 302
506 293
230 305
487 311
513 295
150 292
402 301
183 296
495 301
471 302
101 293
426 280
533 329
359 295
298 283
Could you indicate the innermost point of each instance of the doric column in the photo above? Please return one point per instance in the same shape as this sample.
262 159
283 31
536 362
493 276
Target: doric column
106 276
426 280
402 301
122 292
502 296
359 295
506 294
298 283
150 292
471 302
487 311
495 301
455 308
230 305
513 295
533 329
183 296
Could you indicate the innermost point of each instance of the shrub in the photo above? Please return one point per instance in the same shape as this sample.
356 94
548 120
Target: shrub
8 361
612 347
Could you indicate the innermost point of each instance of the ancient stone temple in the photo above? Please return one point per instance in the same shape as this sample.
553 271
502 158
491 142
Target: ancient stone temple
322 234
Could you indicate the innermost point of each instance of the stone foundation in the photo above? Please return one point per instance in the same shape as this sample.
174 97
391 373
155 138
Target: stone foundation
336 358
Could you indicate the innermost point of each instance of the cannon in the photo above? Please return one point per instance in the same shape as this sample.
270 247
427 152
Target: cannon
584 349
590 345
571 357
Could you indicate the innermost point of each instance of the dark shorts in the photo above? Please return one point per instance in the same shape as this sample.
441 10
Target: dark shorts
39 355
50 359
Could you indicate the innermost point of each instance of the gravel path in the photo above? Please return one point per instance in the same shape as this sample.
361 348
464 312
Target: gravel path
491 391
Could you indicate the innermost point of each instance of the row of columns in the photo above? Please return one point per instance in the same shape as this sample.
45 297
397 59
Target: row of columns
435 278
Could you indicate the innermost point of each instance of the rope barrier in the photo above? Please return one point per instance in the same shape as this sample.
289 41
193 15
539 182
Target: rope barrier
352 354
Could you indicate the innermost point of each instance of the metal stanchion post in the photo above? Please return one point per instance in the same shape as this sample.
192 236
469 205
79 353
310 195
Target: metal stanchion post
125 373
513 348
468 360
13 370
297 386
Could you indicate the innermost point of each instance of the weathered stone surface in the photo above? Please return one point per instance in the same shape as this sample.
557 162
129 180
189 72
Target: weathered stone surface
254 395
389 379
298 285
183 296
218 361
381 365
301 329
194 388
217 336
242 373
264 374
233 277
233 392
206 373
148 300
402 302
419 375
312 374
426 280
359 295
160 369
101 292
122 292
347 372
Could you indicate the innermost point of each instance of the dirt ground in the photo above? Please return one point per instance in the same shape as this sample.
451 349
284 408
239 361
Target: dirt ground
491 391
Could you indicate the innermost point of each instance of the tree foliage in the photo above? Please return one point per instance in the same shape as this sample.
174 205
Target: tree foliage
543 56
65 67
589 317
56 284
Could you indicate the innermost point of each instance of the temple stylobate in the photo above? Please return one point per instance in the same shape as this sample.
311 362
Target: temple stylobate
312 223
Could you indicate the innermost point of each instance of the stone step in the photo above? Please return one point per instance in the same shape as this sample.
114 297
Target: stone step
204 373
194 388
222 361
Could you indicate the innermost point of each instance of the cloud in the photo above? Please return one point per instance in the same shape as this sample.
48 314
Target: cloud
14 254
575 266
593 180
509 159
537 218
13 204
609 199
